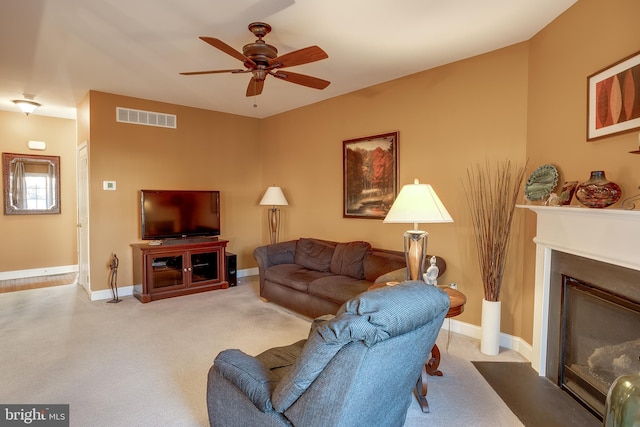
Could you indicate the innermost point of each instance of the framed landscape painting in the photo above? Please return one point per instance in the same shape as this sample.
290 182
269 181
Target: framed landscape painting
370 175
614 99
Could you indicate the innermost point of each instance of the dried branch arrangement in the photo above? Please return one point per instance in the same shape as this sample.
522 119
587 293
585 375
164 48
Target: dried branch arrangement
492 193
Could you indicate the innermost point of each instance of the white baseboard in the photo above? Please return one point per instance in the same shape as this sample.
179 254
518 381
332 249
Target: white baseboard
46 271
103 294
507 341
127 291
248 272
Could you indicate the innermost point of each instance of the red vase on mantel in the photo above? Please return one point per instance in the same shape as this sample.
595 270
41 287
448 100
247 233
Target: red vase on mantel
598 192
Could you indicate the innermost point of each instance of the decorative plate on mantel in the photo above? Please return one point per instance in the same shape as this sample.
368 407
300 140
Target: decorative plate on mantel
541 183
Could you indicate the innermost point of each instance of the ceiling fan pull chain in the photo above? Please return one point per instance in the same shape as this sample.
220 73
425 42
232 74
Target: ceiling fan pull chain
255 96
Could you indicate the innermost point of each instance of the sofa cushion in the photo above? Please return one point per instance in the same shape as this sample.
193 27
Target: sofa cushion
378 263
313 254
348 257
293 276
337 289
280 253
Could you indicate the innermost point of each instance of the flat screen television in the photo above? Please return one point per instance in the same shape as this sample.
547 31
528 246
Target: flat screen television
171 214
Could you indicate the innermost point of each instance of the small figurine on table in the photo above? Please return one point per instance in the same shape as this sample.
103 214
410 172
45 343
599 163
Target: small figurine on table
431 276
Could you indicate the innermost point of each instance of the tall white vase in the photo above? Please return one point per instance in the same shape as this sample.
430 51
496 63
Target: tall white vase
490 341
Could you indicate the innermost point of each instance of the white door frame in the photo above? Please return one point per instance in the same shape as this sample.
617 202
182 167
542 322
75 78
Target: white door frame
82 191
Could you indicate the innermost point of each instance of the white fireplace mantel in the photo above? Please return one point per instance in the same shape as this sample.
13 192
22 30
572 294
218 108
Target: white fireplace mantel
607 235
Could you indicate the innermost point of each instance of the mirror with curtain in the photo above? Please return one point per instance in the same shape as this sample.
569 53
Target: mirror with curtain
31 184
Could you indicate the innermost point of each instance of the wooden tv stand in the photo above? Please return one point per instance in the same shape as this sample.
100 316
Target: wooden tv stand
178 269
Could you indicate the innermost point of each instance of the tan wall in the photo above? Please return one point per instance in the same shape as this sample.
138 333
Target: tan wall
527 101
41 241
587 38
524 101
448 119
208 150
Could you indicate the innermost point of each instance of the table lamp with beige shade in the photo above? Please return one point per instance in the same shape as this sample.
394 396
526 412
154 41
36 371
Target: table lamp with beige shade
417 203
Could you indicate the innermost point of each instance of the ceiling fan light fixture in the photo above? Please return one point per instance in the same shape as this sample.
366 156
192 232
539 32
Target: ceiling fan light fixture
259 74
27 105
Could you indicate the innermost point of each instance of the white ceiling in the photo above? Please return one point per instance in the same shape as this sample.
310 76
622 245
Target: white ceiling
58 50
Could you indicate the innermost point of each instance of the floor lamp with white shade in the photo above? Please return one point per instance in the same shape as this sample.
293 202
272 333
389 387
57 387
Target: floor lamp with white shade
417 203
274 197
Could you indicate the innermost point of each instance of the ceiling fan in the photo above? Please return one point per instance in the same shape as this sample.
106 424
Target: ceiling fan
261 59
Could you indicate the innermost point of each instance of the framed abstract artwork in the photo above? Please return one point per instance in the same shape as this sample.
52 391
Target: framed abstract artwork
613 105
370 175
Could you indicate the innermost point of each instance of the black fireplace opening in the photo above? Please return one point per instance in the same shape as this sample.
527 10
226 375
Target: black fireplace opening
599 341
593 326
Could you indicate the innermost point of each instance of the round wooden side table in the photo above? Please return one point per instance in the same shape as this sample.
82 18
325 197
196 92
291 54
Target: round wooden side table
457 300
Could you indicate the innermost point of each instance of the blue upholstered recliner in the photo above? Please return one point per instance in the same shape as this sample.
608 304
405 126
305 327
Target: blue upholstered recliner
355 369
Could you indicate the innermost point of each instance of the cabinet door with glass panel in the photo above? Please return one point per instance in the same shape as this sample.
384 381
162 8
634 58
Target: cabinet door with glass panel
182 269
204 266
167 271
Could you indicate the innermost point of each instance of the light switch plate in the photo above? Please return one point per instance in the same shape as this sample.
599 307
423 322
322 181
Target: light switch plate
109 185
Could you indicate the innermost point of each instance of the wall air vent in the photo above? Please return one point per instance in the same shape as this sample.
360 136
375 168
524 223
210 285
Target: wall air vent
148 118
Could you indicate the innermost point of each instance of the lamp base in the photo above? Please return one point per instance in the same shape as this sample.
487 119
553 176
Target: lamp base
274 222
415 252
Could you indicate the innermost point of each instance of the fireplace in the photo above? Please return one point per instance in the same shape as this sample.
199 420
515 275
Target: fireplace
594 327
587 299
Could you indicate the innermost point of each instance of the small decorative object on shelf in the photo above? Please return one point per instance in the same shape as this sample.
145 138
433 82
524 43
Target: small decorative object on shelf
598 192
541 183
638 150
553 200
629 202
566 194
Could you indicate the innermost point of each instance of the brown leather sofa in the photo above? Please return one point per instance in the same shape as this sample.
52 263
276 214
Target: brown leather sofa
315 277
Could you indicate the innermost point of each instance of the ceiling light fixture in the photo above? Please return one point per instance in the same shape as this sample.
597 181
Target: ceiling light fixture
27 105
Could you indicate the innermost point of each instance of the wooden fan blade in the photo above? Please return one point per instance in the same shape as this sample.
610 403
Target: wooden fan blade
299 57
193 73
219 44
301 79
255 87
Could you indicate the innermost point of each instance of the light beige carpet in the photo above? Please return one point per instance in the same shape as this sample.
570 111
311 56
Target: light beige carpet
133 364
12 285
